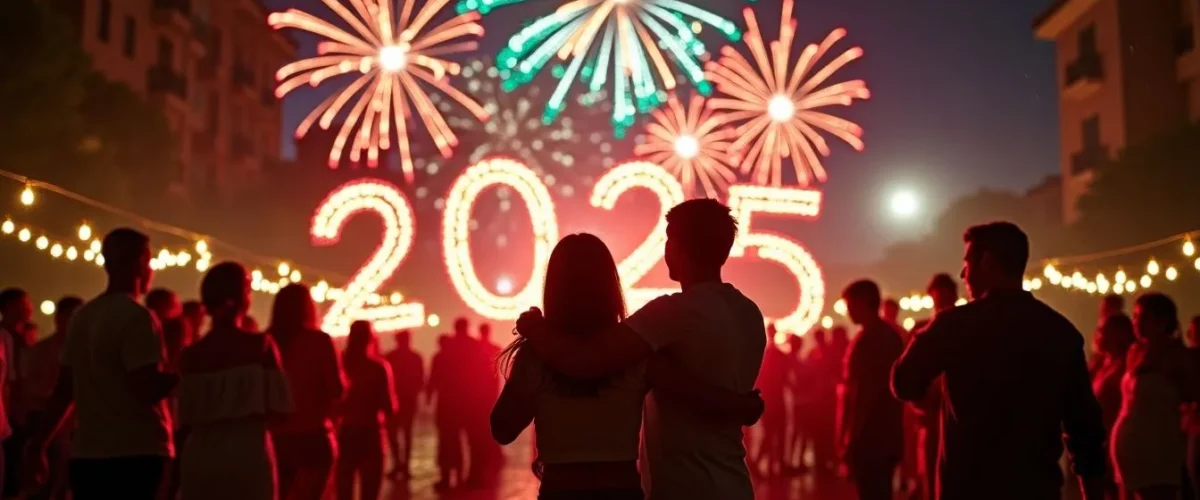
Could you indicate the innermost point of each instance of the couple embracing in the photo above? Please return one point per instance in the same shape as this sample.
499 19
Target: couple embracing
582 369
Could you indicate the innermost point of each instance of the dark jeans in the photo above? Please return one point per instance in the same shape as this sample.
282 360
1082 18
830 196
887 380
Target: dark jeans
873 477
630 494
127 478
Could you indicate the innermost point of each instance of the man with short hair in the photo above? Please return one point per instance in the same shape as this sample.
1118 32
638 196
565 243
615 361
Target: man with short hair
113 377
710 329
1015 382
872 425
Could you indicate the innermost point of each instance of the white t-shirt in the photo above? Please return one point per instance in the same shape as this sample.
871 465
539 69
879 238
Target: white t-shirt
718 336
107 338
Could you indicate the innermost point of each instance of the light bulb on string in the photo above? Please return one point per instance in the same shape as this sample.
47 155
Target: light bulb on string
1172 273
1152 267
8 227
1146 281
27 196
1189 248
85 232
24 235
1120 276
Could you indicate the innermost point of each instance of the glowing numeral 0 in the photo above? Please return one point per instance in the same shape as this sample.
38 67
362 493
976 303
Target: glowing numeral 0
386 201
456 234
670 193
745 201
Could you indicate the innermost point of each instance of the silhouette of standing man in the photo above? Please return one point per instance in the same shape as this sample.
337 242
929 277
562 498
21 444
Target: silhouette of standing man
872 428
1015 383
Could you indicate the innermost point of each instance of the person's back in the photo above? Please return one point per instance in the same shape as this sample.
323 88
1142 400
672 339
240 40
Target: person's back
1011 386
109 336
719 338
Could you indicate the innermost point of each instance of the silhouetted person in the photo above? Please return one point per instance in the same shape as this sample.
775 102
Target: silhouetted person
43 360
826 375
1111 304
486 452
368 416
772 379
113 374
588 429
1015 381
409 371
944 292
17 333
193 313
800 386
304 441
1148 445
232 386
1113 340
177 332
710 329
890 312
872 421
449 385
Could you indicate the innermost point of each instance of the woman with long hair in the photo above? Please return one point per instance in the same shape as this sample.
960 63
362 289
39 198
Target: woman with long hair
587 431
368 416
305 440
1148 444
1112 342
231 387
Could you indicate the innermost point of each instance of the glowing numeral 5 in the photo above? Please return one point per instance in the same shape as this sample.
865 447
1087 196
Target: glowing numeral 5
744 202
670 193
456 233
358 299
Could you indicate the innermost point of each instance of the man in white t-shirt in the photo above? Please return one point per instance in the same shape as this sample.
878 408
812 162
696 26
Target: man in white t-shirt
112 376
710 330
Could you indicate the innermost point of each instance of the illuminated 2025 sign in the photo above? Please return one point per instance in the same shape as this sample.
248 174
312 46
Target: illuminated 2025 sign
359 299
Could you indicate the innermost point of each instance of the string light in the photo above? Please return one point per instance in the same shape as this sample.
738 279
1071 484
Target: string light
27 196
747 200
8 227
669 192
48 307
909 323
399 229
1189 249
827 322
85 232
456 235
1152 267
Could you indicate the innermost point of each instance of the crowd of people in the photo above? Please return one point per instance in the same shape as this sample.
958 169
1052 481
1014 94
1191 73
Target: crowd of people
137 395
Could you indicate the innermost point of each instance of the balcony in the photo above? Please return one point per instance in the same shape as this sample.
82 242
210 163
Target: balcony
207 67
1188 64
174 13
243 76
1083 77
1089 159
241 147
164 80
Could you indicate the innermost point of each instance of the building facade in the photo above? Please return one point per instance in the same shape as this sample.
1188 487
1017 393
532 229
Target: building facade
209 65
1127 70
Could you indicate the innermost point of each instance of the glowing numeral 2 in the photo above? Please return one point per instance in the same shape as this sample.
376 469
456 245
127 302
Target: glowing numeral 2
643 258
744 202
456 234
359 300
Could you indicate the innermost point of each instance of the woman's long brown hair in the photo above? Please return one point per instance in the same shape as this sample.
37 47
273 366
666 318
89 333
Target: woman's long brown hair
582 296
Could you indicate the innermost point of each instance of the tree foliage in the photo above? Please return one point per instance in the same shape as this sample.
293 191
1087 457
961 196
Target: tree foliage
1148 192
65 123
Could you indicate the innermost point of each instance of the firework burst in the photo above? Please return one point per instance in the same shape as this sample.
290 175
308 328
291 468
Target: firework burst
393 56
776 107
690 143
625 43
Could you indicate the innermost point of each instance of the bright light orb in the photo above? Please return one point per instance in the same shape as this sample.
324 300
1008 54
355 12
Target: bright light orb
393 58
904 204
687 147
48 307
504 285
781 109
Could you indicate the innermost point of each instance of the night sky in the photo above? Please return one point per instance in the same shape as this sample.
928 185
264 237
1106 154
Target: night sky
963 98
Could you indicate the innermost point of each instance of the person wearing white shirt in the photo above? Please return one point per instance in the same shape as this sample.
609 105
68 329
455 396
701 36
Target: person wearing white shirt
709 330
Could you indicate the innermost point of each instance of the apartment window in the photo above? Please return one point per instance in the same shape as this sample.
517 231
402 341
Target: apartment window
130 41
166 53
1091 133
1087 41
105 19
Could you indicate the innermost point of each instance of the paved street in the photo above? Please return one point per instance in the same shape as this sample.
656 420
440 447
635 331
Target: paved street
517 481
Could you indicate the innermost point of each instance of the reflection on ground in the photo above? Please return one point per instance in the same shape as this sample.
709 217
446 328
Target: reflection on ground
518 483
